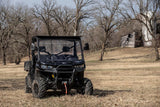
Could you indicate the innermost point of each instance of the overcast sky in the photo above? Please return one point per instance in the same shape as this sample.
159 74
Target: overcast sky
30 3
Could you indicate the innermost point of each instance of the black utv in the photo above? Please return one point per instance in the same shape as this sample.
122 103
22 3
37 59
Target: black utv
57 63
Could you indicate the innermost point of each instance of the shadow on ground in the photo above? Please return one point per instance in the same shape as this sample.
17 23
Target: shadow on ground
60 93
19 84
11 84
133 57
103 93
55 94
97 93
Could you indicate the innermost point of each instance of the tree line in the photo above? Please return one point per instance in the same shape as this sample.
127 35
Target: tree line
100 23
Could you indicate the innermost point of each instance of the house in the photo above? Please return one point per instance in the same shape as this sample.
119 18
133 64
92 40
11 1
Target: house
147 37
132 40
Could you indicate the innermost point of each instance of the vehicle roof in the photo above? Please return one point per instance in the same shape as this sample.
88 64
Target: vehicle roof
56 37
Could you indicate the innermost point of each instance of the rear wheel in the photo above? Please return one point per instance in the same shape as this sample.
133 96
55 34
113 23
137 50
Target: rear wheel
39 88
27 88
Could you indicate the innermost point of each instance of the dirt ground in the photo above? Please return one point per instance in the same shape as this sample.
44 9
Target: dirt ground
126 78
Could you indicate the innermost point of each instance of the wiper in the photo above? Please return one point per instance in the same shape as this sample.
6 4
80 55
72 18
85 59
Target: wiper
63 51
48 53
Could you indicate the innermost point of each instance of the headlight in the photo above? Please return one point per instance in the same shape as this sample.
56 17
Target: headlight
43 66
79 66
46 67
50 67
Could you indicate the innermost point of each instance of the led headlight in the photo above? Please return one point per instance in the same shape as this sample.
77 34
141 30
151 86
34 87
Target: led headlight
50 67
43 66
46 67
79 66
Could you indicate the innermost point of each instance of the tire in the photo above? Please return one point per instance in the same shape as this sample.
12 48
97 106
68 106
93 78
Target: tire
87 89
27 88
39 88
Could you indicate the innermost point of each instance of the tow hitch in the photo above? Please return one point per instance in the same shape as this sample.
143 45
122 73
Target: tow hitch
65 85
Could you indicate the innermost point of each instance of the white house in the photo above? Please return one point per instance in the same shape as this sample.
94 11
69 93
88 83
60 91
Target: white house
128 40
145 32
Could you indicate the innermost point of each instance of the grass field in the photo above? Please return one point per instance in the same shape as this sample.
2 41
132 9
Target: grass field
127 77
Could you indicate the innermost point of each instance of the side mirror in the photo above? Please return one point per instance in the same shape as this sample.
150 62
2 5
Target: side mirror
86 46
33 47
27 65
66 49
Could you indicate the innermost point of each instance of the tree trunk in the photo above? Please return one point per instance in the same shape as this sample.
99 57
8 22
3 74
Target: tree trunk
28 45
102 52
76 28
103 46
3 56
48 29
157 54
75 32
49 32
29 53
156 50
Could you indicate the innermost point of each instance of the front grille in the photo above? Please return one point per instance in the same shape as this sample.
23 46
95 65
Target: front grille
65 73
65 69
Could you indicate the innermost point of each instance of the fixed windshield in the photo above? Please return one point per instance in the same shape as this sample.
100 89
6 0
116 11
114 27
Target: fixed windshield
61 49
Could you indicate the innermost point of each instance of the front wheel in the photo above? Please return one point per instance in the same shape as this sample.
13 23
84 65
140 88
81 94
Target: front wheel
39 88
87 89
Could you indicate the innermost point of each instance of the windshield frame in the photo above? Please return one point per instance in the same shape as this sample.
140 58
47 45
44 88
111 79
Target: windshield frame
65 39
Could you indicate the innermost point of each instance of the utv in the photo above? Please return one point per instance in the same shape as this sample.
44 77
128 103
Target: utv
57 63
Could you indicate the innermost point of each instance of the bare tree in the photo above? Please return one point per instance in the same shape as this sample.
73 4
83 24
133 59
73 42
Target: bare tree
158 2
81 13
108 20
64 18
25 28
10 23
5 29
27 24
93 37
43 12
144 11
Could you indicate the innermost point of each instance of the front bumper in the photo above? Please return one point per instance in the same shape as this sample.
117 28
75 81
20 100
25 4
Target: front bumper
63 71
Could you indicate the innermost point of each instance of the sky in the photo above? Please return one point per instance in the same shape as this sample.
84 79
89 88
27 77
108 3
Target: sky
30 3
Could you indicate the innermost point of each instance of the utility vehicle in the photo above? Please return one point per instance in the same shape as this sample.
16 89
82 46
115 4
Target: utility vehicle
57 63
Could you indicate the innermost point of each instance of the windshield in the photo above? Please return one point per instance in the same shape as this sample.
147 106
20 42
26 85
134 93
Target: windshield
60 49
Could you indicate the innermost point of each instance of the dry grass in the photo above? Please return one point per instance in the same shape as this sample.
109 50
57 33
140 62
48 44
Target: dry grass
126 78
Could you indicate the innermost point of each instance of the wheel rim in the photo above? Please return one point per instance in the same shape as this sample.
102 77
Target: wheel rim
36 89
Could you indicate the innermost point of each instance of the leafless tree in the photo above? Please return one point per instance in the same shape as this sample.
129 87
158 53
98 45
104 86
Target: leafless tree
82 12
108 20
27 24
5 29
144 11
43 12
158 2
93 37
24 30
64 18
